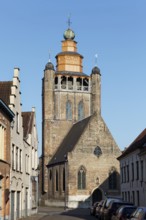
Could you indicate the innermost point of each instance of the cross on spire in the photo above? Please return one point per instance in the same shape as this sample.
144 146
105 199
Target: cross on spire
68 21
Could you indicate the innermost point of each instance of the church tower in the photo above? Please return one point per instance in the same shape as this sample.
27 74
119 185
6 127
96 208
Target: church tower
76 143
66 98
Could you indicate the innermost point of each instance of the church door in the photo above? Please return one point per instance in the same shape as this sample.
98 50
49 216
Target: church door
96 196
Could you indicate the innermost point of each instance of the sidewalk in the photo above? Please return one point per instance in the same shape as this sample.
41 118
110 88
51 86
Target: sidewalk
43 211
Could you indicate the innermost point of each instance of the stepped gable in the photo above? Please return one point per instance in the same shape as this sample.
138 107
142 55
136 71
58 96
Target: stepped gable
27 123
139 142
69 141
5 91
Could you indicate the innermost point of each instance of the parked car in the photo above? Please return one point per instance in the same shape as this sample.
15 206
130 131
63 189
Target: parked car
106 204
139 214
97 211
112 208
93 208
124 212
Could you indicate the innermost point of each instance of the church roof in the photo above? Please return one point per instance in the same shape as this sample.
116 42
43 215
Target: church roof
69 141
5 91
139 142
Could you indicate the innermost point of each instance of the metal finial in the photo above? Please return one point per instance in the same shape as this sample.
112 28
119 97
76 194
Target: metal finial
96 57
49 56
69 21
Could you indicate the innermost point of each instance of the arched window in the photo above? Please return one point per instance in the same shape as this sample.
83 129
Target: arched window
63 179
56 180
82 178
113 178
68 110
80 110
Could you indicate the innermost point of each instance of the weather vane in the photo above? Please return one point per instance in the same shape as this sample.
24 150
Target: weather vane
68 21
49 56
96 57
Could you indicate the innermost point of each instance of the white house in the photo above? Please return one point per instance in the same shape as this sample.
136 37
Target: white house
24 143
133 171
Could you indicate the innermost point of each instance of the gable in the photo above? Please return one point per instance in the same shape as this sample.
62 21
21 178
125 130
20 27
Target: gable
69 141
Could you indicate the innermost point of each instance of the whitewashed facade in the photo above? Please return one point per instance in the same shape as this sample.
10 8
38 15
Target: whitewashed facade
133 171
22 167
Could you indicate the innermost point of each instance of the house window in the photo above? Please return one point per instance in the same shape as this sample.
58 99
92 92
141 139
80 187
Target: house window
121 174
68 110
82 178
128 196
17 163
56 180
13 157
80 110
132 166
133 196
113 179
137 198
17 122
20 160
141 164
127 173
124 174
2 142
137 170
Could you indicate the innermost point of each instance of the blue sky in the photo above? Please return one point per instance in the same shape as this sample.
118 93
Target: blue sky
114 29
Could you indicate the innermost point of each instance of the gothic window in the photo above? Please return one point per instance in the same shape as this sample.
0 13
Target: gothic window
113 179
82 178
80 110
68 110
56 180
63 179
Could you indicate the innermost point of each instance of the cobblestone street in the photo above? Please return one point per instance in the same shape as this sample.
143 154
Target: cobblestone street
52 213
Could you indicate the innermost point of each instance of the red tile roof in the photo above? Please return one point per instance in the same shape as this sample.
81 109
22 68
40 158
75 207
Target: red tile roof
5 91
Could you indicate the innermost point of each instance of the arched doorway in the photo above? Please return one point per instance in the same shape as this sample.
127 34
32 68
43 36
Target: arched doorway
96 195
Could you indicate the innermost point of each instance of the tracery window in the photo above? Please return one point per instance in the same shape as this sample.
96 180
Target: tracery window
68 110
80 110
113 178
56 180
82 178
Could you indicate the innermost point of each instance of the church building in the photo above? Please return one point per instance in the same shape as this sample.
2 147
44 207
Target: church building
79 154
